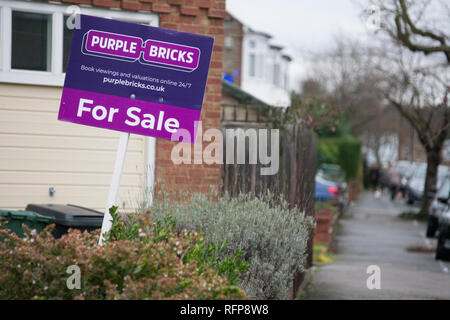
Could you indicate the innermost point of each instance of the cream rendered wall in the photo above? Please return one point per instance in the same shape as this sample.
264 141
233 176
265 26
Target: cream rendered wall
37 152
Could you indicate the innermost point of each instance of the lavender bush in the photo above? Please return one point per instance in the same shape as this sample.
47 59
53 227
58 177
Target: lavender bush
272 237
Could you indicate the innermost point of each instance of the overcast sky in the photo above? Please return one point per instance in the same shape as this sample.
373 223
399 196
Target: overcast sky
300 25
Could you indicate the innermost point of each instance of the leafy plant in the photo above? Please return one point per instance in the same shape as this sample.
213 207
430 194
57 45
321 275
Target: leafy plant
271 237
208 255
120 228
321 255
342 151
323 205
135 263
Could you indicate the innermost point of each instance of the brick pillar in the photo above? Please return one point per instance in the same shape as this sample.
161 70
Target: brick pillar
203 17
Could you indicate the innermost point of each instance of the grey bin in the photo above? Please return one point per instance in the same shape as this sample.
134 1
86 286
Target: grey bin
69 216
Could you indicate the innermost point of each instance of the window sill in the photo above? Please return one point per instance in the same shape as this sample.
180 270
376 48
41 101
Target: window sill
32 77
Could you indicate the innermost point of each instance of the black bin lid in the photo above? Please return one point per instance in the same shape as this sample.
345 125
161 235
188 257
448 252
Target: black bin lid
69 215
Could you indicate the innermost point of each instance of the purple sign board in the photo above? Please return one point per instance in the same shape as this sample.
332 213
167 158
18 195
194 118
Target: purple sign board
135 78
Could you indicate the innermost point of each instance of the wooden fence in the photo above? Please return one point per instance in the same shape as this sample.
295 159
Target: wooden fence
297 165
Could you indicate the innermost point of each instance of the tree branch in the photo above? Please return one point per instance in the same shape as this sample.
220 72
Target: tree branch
405 26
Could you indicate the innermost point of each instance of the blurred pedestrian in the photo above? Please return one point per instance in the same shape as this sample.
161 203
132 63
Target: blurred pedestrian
394 180
384 178
374 175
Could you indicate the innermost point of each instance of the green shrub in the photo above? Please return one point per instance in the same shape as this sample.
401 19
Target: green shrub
328 151
206 256
150 266
210 255
342 151
324 205
272 238
349 157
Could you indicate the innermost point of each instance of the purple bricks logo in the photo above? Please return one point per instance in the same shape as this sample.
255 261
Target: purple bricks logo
112 45
171 54
152 52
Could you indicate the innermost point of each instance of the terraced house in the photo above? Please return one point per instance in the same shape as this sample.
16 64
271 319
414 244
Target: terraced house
255 64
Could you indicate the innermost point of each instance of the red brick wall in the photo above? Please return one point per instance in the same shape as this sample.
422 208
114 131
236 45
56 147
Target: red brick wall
323 232
204 17
196 16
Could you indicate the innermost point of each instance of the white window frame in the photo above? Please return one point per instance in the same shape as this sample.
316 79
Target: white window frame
228 42
252 65
55 76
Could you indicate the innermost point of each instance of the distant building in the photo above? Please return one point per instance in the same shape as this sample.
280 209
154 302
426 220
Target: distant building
232 53
253 63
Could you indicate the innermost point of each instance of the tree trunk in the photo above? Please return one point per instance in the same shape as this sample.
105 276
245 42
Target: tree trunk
433 161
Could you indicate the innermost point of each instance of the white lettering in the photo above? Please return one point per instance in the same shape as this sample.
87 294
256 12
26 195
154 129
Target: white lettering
161 52
171 125
111 44
81 106
102 115
119 44
112 112
153 51
181 56
189 57
134 117
172 57
160 120
95 40
133 47
150 123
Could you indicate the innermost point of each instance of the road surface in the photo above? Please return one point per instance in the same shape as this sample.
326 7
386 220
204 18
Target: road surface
372 234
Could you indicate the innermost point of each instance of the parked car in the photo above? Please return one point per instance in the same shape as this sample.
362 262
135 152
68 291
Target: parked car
416 184
325 189
438 206
330 184
443 244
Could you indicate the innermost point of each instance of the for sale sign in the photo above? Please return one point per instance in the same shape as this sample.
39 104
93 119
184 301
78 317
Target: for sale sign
135 78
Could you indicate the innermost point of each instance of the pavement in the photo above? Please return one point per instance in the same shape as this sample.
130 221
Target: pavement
371 233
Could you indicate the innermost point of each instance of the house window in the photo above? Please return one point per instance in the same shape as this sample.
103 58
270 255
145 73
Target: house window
276 74
35 40
252 44
286 81
228 42
252 65
31 41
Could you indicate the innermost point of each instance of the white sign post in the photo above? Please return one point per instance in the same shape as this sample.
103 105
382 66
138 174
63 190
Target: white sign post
115 183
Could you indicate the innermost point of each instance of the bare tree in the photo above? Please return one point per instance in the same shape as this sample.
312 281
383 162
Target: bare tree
422 26
418 83
420 93
311 108
350 83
